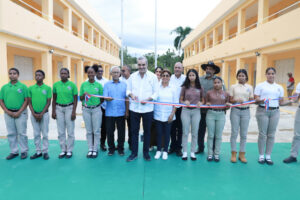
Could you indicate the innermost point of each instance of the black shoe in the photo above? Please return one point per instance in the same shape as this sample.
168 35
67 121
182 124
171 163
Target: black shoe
103 147
199 151
184 158
62 155
34 156
290 159
12 156
46 156
23 155
217 158
131 158
171 151
89 154
69 155
147 157
193 158
261 161
210 158
269 162
95 154
111 152
121 152
179 153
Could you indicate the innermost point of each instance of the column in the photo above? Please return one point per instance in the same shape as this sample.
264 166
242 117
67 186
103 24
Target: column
68 19
240 64
225 30
263 11
47 67
90 34
80 73
97 40
81 28
225 73
47 9
241 21
67 64
200 45
261 66
3 62
215 36
206 42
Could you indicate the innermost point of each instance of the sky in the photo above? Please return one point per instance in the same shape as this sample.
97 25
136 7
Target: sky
139 20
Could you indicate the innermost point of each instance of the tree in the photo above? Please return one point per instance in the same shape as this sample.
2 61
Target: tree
181 34
127 58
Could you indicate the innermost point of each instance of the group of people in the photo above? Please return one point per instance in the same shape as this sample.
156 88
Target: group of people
175 104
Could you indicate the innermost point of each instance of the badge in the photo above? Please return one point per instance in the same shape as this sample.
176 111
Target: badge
97 89
69 87
19 90
44 92
222 96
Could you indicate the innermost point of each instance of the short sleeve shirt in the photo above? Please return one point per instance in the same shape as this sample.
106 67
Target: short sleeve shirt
65 92
217 98
91 88
39 96
14 95
241 91
191 94
269 91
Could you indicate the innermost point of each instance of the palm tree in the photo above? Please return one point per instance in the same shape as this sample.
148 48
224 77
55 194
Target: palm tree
181 34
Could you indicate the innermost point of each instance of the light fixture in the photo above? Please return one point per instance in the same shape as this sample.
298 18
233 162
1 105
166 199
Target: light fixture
222 61
51 51
82 59
257 53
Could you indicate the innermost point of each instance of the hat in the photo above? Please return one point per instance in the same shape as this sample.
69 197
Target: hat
211 64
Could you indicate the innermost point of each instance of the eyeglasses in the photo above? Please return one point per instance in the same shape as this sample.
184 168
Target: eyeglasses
122 70
141 64
100 71
166 75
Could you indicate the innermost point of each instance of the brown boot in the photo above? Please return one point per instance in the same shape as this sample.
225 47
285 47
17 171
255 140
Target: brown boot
242 157
233 156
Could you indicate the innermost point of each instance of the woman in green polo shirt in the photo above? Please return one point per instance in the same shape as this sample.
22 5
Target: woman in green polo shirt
91 110
14 100
64 111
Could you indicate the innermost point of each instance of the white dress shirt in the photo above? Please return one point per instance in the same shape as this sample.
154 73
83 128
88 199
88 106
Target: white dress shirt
124 80
266 90
165 94
177 83
142 88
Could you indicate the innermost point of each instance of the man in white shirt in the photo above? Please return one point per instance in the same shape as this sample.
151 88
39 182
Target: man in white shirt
142 86
177 80
125 75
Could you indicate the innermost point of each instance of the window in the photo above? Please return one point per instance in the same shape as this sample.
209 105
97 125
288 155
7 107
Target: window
25 66
282 68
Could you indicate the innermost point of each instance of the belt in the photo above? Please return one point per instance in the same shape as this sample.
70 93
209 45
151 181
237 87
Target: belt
40 112
190 108
64 105
217 110
246 108
270 108
91 107
13 110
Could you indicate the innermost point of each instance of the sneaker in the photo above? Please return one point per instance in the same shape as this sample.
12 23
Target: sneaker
12 156
62 155
23 155
46 156
147 157
217 158
165 155
157 155
269 161
94 154
209 158
111 152
121 152
69 155
89 155
290 159
36 155
193 156
184 156
131 158
261 160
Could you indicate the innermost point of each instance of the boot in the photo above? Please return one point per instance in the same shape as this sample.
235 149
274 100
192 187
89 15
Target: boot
242 157
233 157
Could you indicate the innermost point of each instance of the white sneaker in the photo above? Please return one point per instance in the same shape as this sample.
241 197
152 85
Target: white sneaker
193 155
157 155
184 154
165 155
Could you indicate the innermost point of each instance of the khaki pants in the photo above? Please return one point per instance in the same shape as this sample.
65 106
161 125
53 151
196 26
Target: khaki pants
39 128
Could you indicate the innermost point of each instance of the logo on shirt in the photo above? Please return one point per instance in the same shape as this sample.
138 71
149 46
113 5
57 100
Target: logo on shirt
19 90
222 96
69 87
44 92
97 89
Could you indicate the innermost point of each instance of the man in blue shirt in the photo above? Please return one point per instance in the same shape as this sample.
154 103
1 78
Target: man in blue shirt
116 110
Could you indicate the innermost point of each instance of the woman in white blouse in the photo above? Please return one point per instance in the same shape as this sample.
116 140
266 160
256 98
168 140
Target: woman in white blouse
164 114
267 120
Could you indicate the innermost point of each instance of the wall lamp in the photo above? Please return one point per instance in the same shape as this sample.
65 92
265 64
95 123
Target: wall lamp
51 51
222 61
257 53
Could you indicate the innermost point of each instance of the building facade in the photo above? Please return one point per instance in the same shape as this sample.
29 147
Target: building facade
51 34
250 34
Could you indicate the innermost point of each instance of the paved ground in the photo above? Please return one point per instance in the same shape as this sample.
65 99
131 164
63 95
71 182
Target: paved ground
284 130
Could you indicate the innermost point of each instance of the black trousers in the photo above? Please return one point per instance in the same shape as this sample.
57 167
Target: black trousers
129 130
103 128
176 132
201 131
111 123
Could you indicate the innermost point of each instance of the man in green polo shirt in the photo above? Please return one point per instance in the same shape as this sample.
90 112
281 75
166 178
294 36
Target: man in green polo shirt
14 100
39 102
